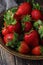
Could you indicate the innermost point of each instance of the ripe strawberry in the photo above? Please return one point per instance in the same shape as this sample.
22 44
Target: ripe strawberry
23 9
32 38
5 31
18 18
8 37
26 24
36 14
11 28
23 47
36 50
17 27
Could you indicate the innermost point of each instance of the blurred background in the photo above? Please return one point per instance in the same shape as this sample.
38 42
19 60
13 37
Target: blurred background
5 4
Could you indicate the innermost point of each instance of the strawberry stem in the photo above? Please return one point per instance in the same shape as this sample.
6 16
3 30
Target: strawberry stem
35 6
27 0
26 18
41 48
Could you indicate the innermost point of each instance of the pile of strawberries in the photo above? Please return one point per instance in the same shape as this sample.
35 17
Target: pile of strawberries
23 29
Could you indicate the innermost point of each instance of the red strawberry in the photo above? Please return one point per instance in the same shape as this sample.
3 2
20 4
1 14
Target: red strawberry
17 27
11 28
36 14
32 38
23 9
26 24
5 31
18 18
8 37
36 50
23 47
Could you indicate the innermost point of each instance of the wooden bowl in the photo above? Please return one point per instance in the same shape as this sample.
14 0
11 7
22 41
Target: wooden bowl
12 51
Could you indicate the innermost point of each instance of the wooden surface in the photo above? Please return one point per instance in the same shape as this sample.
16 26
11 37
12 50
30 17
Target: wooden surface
8 59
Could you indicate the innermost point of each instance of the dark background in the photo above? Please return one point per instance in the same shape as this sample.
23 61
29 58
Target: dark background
39 1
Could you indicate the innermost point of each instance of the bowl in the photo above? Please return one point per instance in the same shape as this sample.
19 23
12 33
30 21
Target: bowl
12 51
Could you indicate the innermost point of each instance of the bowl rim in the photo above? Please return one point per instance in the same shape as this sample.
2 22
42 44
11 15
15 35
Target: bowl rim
17 53
14 53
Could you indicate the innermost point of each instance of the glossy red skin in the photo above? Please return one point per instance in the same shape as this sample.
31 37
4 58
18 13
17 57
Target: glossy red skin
28 26
36 14
36 50
32 39
18 18
23 48
5 31
11 28
17 27
23 9
8 37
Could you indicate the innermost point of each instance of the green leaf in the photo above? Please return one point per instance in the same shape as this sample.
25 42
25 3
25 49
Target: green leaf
27 0
32 1
14 9
26 18
36 5
8 17
41 50
23 26
9 43
37 24
18 45
15 37
41 32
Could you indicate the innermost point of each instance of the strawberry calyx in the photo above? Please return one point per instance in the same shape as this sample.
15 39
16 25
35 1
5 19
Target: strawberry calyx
36 5
27 0
37 24
8 18
39 27
18 45
41 50
40 31
26 18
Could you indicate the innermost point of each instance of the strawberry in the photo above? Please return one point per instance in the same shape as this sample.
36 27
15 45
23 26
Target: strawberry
18 18
36 14
36 50
23 9
11 28
5 31
23 47
39 27
32 38
26 24
17 27
8 37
